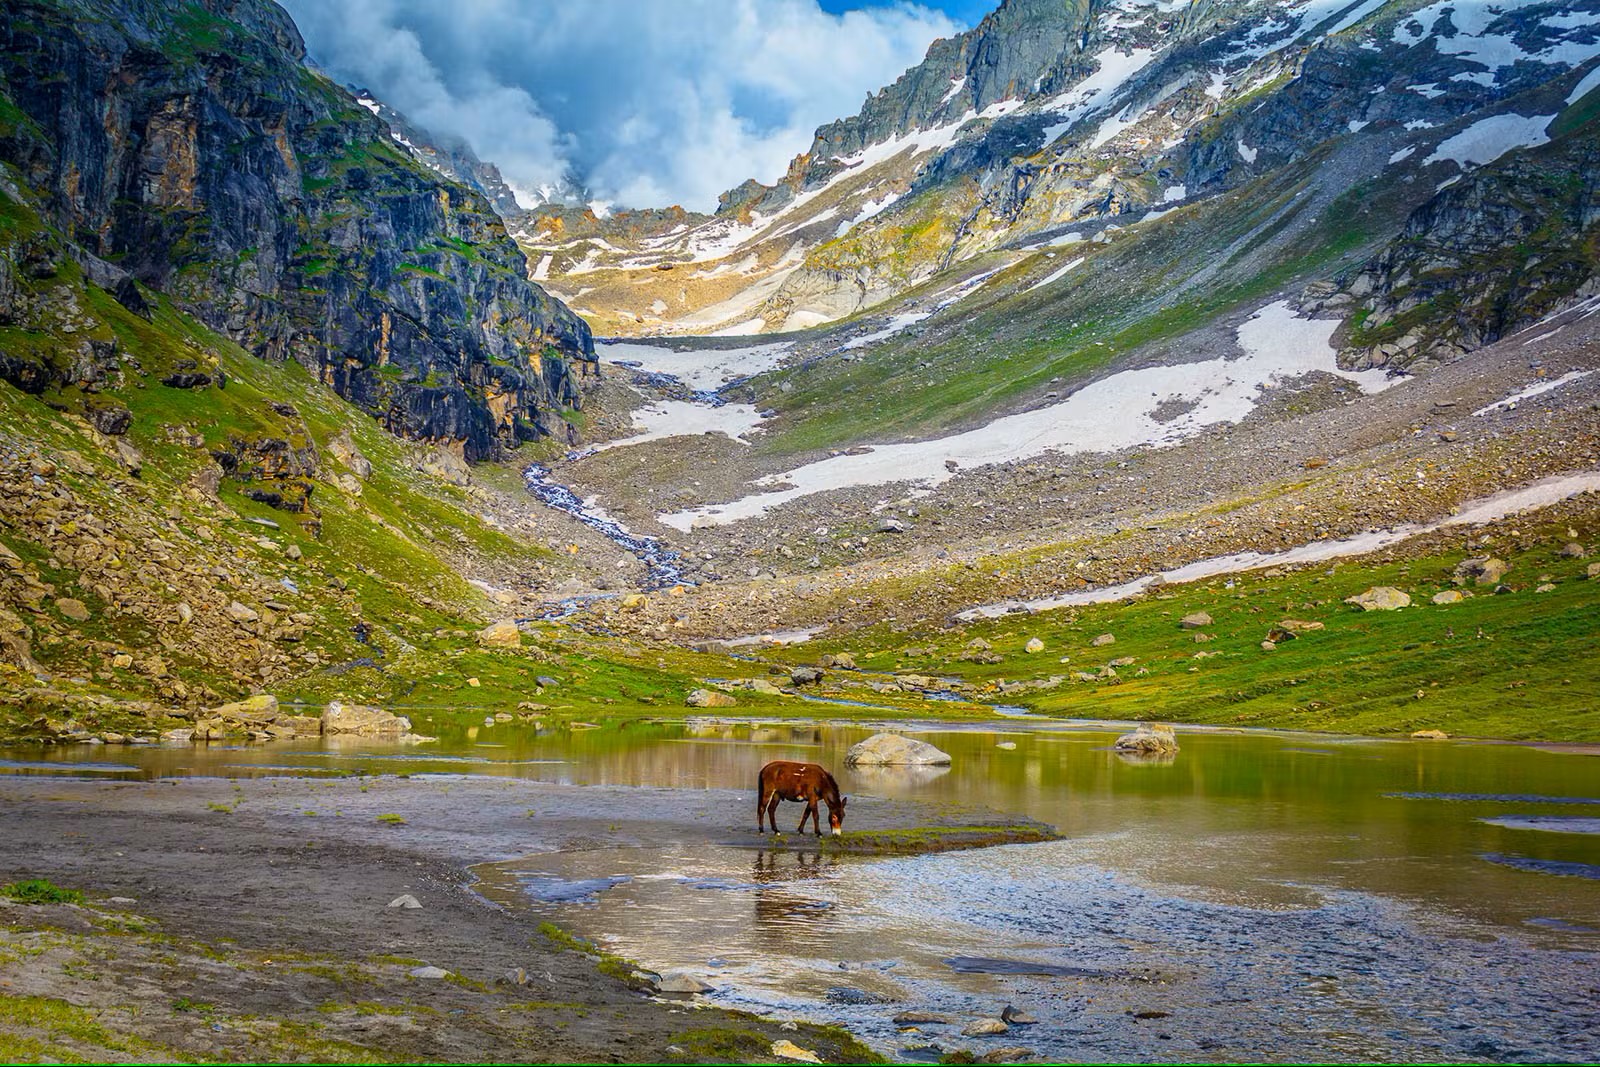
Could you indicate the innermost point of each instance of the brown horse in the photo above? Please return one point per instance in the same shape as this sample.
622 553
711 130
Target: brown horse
806 782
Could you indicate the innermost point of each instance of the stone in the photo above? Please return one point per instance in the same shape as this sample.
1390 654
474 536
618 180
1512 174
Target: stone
1016 1016
262 708
709 698
680 982
1544 587
516 976
293 552
1573 550
843 661
185 613
404 900
920 1018
1195 620
1033 645
1430 735
890 525
635 601
544 681
1592 570
1380 598
1299 626
345 451
985 1028
1449 596
122 661
429 973
1149 739
341 718
805 676
181 736
785 1049
242 613
1103 640
894 750
73 609
1009 746
303 725
502 634
1008 1054
1481 570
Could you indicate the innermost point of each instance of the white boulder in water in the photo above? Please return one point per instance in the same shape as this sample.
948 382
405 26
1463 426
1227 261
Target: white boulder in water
1150 739
893 749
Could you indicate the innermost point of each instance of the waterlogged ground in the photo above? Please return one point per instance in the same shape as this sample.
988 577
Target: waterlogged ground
1262 896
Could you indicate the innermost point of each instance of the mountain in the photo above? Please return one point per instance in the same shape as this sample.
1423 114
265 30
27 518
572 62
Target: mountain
187 148
1053 117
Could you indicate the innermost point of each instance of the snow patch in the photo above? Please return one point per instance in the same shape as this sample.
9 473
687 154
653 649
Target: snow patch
703 369
1056 276
1114 413
686 418
1536 389
1246 153
1488 139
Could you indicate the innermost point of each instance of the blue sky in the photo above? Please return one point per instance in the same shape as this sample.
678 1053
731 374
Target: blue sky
644 102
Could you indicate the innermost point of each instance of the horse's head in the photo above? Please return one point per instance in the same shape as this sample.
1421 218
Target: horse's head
836 817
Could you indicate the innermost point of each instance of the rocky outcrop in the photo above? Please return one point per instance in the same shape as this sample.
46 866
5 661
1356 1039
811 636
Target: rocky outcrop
189 143
1148 739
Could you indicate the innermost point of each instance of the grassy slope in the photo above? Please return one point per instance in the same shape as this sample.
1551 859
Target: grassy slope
1518 665
1004 343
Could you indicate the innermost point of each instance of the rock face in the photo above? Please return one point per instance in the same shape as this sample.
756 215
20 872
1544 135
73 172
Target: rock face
342 718
1380 598
1149 739
189 143
894 750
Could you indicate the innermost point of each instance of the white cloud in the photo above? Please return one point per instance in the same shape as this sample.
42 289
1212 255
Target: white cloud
647 103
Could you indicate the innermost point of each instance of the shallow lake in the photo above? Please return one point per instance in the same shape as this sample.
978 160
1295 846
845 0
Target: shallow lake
1261 896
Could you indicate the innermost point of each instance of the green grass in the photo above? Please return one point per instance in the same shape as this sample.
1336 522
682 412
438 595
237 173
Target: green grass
1514 666
40 891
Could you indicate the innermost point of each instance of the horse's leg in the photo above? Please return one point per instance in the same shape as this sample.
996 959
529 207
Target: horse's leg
772 811
809 813
761 803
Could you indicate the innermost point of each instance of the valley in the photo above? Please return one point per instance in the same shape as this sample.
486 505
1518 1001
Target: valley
364 533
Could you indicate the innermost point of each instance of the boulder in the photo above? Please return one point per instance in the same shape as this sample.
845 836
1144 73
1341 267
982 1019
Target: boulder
302 725
1195 620
1449 596
679 982
843 661
1150 739
890 525
262 708
1033 645
1103 640
784 1049
1380 598
341 718
805 676
920 1018
1573 550
1430 735
709 698
894 750
345 451
502 634
1481 570
404 900
72 609
242 612
985 1028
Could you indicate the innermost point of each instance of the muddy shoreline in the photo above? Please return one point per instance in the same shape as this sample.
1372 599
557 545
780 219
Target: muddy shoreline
266 902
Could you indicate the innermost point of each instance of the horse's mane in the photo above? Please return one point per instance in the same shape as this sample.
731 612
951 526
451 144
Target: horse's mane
833 786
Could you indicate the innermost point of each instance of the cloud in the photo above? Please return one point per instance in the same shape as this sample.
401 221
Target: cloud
645 103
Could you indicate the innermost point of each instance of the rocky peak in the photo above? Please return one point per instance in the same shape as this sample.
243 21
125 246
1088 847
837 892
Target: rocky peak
189 144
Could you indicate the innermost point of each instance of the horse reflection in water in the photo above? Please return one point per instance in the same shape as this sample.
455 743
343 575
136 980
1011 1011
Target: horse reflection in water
779 914
804 782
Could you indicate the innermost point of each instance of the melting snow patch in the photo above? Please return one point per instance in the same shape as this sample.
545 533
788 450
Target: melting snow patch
1114 413
685 418
1246 153
1533 390
1488 139
705 368
1403 154
895 325
1055 276
1357 125
1590 82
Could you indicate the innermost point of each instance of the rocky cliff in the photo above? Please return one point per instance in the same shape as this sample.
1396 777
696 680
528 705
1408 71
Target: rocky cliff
187 146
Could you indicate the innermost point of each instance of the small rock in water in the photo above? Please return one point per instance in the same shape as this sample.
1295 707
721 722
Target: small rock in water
915 1018
1016 1017
679 982
1009 1054
880 749
405 900
1009 746
429 972
785 1049
984 1028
